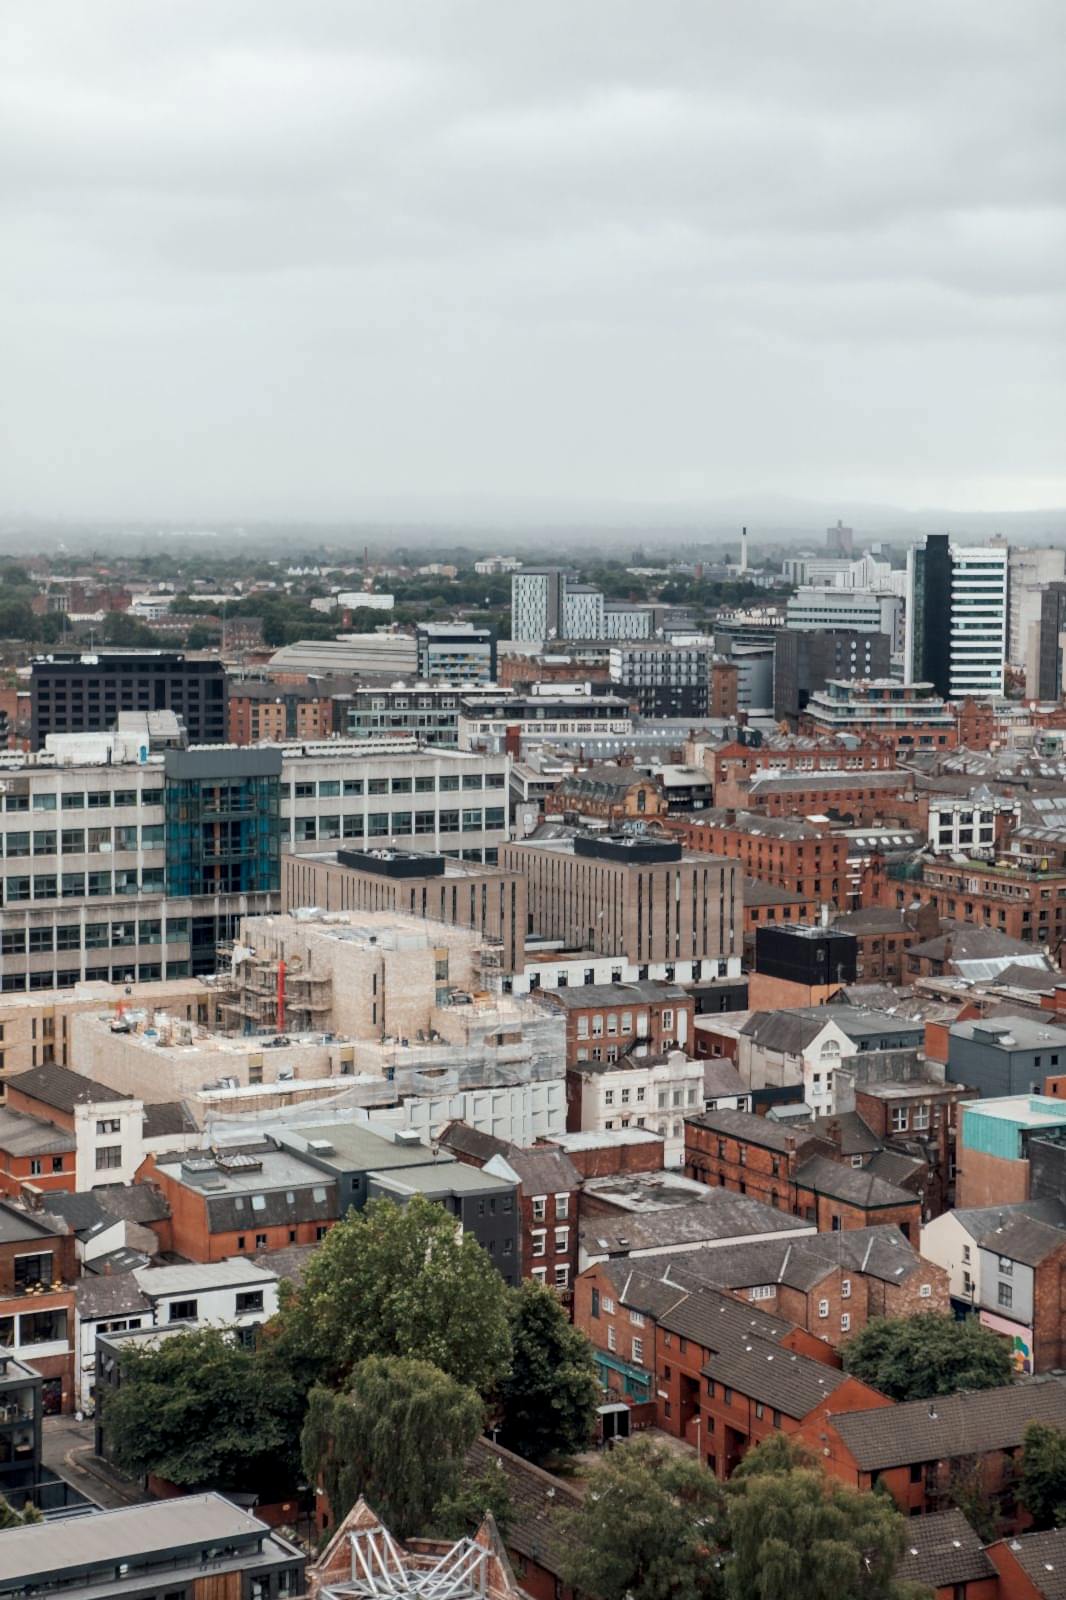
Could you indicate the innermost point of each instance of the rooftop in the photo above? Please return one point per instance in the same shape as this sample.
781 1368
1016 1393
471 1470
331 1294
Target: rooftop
347 1146
1027 1110
951 1425
791 1383
942 1551
1042 1557
644 1192
1011 1033
61 1088
717 1218
443 1178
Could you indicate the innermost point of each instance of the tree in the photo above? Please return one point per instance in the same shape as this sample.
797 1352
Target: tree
10 1518
397 1434
650 1527
201 1411
914 1358
461 1512
397 1281
123 629
550 1395
797 1534
1042 1485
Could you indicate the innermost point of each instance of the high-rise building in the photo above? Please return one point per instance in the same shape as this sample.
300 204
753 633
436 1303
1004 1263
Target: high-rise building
840 540
537 603
1045 656
1030 573
76 692
956 627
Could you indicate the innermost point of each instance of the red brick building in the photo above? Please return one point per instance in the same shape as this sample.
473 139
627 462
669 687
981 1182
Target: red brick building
607 1020
1018 901
606 793
919 1118
863 798
268 711
38 1268
793 852
1030 1567
601 1154
915 1453
238 1202
793 1171
943 1553
884 934
35 1155
731 767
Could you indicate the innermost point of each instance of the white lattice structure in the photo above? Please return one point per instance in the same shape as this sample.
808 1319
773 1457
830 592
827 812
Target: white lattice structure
364 1562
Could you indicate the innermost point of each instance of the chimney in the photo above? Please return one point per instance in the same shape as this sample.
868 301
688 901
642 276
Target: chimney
743 550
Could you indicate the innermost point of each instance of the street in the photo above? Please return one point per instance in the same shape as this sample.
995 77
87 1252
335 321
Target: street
67 1449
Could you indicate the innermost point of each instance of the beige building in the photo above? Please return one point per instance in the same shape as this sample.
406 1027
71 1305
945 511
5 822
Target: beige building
630 895
35 1028
467 894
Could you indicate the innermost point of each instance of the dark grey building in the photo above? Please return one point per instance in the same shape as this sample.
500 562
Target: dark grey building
81 692
1047 1167
21 1410
997 1056
1049 664
456 652
350 1153
197 1544
484 1205
663 680
928 625
805 661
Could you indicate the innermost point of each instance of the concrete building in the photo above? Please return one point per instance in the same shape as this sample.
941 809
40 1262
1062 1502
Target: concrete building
817 609
426 712
1045 646
664 680
485 1204
72 692
966 587
913 715
1031 574
630 896
806 658
563 712
1005 1055
994 1140
491 901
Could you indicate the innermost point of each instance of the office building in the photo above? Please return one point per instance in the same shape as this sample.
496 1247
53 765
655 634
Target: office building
956 628
859 610
548 603
75 692
139 870
805 659
427 712
455 652
1031 573
1044 677
632 896
840 540
517 721
914 715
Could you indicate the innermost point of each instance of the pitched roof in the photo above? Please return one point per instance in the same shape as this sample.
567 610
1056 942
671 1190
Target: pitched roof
788 1031
780 1378
82 1213
950 1425
722 1077
722 1215
23 1135
135 1202
742 1266
879 1251
747 1126
1042 1557
942 1550
857 1186
543 1170
1023 1238
897 1168
61 1088
718 1321
111 1295
856 1136
469 1141
290 1262
534 1530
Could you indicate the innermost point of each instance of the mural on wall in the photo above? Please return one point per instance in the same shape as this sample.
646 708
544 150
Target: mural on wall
1020 1339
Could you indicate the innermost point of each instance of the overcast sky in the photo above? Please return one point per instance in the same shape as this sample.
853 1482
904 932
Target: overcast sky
318 257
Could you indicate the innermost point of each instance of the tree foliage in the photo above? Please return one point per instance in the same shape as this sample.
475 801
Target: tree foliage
649 1527
461 1512
550 1395
396 1434
797 1534
201 1411
10 1518
914 1358
1042 1485
398 1281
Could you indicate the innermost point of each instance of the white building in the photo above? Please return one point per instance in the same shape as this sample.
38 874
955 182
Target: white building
1030 572
652 1092
956 618
824 609
966 824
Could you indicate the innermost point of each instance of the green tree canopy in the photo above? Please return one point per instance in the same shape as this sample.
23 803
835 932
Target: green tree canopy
396 1434
398 1281
914 1358
202 1411
10 1518
462 1511
550 1395
1042 1489
650 1527
797 1534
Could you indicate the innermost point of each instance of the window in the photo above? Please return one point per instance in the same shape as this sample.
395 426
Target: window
260 1241
900 1116
925 1291
636 1318
249 1300
108 1125
1006 1266
33 1269
966 1252
612 1339
638 1352
562 1239
845 1321
1006 1295
760 1409
182 1311
540 1275
823 1308
562 1276
762 1291
108 1157
562 1205
608 1304
539 1241
540 1206
845 1289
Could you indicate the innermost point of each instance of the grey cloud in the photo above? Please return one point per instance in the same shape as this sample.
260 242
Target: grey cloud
261 258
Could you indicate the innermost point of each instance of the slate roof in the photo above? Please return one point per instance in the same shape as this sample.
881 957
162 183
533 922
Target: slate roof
82 1213
1023 1238
856 1136
1042 1557
642 992
950 1425
534 1530
63 1089
978 1220
856 1186
722 1078
966 941
896 1168
468 1141
757 892
290 1263
788 1031
135 1202
780 1378
718 1321
745 1125
166 1119
942 1550
116 1295
542 1171
723 1215
880 1251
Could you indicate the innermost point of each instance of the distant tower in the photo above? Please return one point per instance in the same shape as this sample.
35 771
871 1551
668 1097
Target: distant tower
743 550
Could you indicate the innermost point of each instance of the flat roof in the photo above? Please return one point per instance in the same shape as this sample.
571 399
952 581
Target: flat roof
202 1276
606 1140
355 1145
1034 1110
443 1177
42 1550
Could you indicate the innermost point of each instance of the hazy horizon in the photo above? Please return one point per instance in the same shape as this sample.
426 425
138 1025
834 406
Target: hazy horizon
483 266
